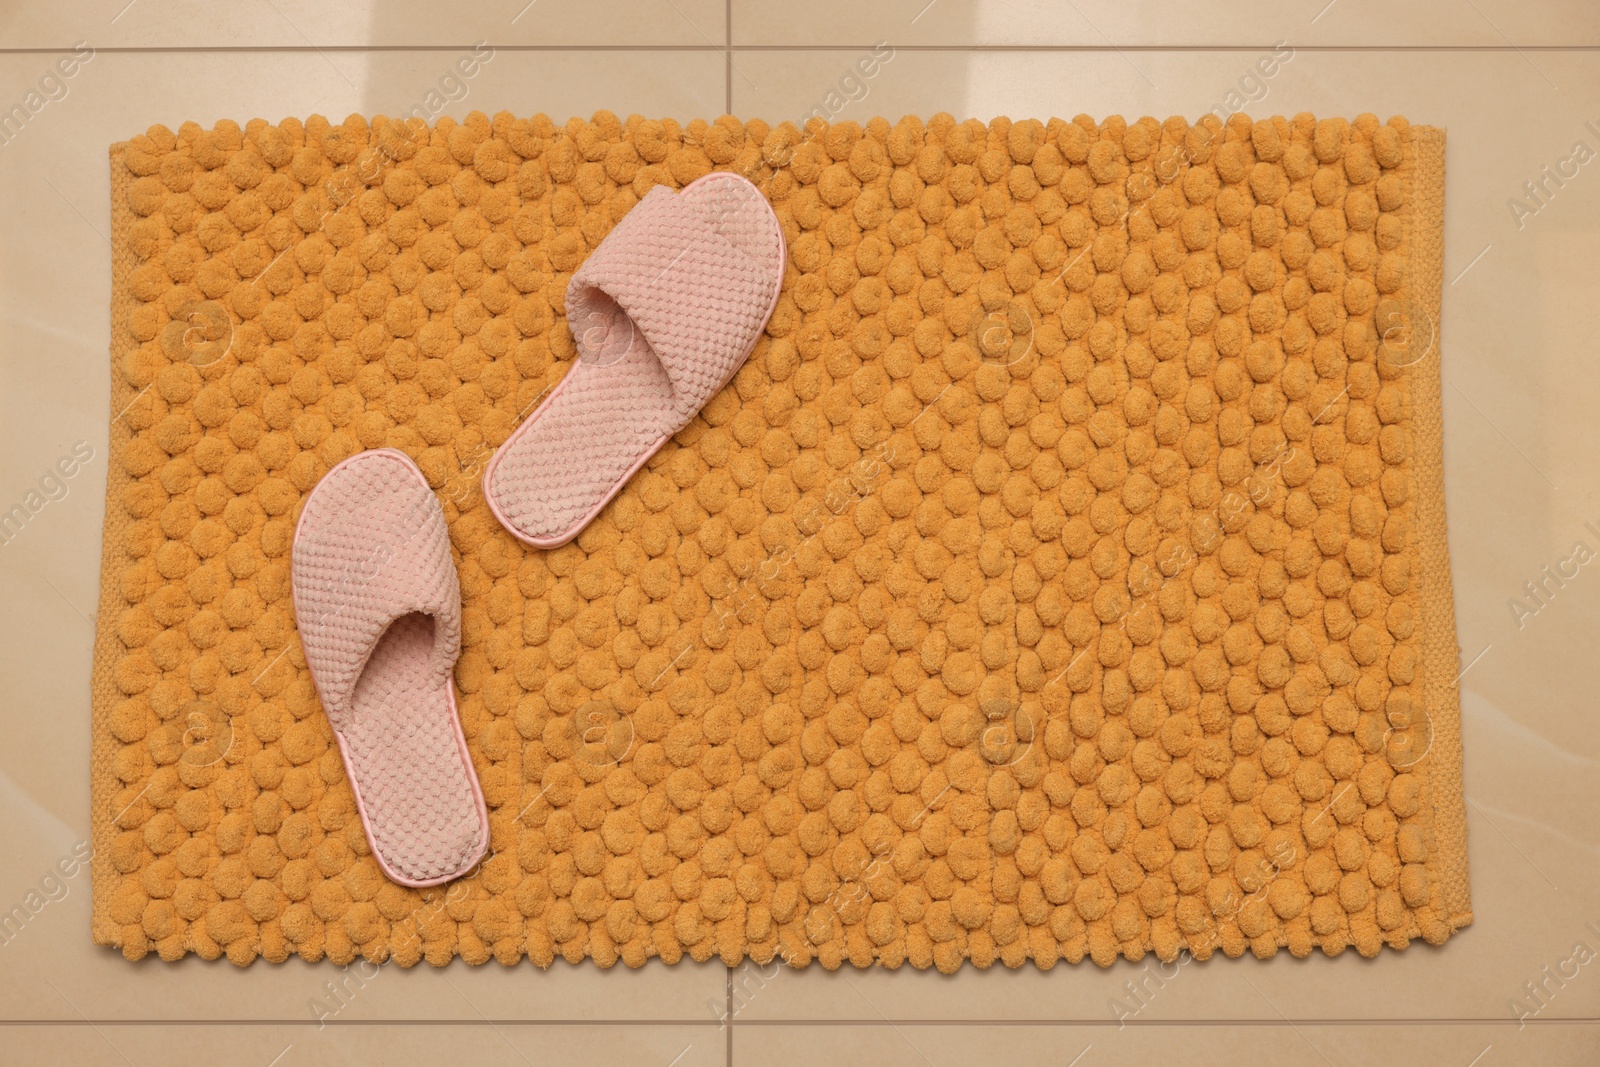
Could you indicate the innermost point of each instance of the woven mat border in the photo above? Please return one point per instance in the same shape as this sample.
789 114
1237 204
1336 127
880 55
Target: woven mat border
1440 652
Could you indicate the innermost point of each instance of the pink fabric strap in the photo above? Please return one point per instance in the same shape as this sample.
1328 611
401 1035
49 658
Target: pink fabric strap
359 574
685 288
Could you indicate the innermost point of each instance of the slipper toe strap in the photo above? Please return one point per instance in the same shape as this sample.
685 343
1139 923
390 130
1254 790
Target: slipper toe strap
357 573
696 298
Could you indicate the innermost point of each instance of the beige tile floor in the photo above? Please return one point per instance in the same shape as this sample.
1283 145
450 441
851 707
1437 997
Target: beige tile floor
1516 84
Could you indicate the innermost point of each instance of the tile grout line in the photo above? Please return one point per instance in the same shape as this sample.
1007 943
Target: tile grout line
728 1018
730 48
1497 1022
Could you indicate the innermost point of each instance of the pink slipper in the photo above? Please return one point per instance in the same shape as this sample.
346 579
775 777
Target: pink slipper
665 311
378 606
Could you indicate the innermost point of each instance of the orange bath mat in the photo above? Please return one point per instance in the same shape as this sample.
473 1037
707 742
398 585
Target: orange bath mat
1064 574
